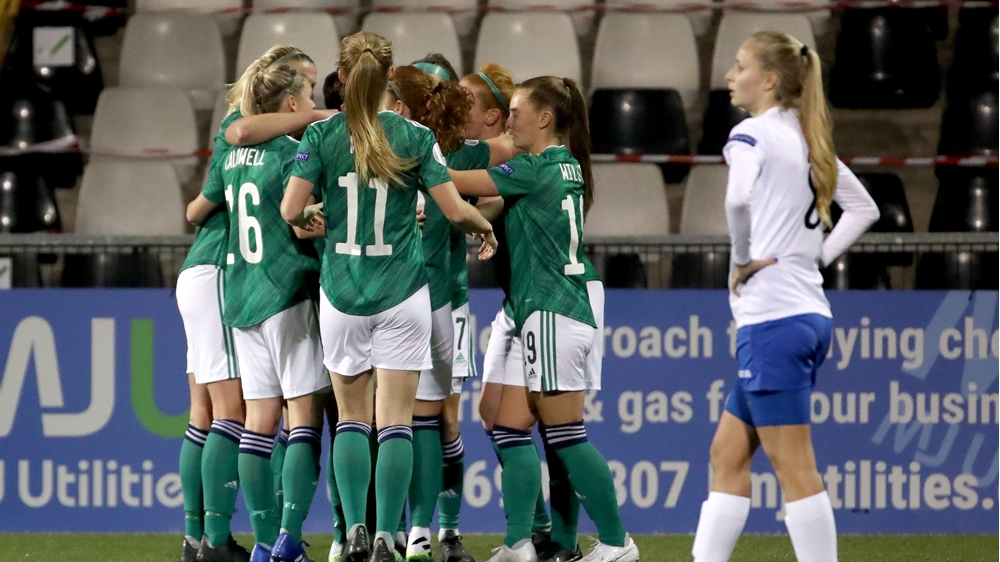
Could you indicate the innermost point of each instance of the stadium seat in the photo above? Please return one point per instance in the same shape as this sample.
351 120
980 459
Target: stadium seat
347 22
27 203
29 117
820 19
315 34
227 13
174 51
629 200
530 44
121 197
700 19
101 20
55 49
969 125
703 214
640 122
886 59
463 12
218 114
655 51
414 35
736 27
126 125
583 19
974 68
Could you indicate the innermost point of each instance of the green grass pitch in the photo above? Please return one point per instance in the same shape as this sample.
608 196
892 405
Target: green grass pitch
655 548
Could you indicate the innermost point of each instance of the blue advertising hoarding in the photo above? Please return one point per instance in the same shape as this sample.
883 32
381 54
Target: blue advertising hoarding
93 405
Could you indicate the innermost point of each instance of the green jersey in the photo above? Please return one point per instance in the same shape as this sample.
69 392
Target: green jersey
269 268
544 229
436 236
210 238
473 155
374 258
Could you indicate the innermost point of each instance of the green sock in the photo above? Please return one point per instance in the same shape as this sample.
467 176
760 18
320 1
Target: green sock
565 503
352 462
258 486
521 481
339 529
299 477
277 464
392 475
190 469
220 478
402 521
590 476
541 523
450 500
425 483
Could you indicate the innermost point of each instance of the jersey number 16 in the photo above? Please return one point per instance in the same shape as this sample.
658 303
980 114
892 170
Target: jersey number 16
248 225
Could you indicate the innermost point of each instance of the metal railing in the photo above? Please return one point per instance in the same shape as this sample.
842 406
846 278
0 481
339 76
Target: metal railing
955 260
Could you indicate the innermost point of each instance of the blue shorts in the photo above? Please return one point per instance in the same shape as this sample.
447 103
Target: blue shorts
777 369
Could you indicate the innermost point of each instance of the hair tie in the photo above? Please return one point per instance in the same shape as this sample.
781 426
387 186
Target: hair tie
496 92
367 50
431 68
291 54
804 51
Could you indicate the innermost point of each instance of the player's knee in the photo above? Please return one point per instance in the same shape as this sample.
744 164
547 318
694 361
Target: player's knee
724 459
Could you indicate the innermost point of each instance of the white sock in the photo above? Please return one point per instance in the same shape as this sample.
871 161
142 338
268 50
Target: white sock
719 526
812 528
442 532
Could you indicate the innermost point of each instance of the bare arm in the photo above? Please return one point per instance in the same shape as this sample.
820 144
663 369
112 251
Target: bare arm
502 149
477 183
295 204
199 209
490 207
318 229
255 129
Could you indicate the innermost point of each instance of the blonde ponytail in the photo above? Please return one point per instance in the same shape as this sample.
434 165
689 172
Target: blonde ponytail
366 59
800 87
242 92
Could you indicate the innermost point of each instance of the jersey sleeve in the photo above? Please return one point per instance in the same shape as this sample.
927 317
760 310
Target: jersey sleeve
515 177
433 166
473 155
308 163
860 212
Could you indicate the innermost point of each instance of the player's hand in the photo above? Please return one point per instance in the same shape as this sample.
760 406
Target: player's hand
313 217
489 247
421 217
744 272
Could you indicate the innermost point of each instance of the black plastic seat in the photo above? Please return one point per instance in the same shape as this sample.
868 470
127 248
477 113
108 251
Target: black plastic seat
27 204
886 59
969 125
720 118
641 122
856 271
708 270
138 268
77 84
624 271
975 66
29 116
958 271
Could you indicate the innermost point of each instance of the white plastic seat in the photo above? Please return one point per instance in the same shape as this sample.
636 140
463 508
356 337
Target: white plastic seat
227 13
146 123
530 44
414 35
629 200
703 211
314 33
736 27
463 12
218 114
583 20
647 51
180 51
347 23
700 19
129 197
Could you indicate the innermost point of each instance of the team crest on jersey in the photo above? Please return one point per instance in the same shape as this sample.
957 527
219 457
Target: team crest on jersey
507 168
740 137
302 157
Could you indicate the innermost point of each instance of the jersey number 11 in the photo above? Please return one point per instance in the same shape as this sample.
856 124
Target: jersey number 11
574 267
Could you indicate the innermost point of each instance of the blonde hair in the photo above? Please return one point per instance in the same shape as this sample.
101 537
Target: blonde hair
264 83
366 59
800 87
503 81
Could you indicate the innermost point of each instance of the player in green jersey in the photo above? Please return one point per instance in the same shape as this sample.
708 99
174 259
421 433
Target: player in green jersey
375 311
549 189
270 274
208 460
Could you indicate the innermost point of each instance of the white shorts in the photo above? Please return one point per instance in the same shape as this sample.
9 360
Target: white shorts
435 383
503 360
562 354
281 356
397 339
464 361
210 354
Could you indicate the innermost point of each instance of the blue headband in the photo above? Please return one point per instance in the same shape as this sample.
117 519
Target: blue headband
496 92
432 68
291 54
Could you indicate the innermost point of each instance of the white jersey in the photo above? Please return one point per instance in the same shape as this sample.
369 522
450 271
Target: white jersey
771 210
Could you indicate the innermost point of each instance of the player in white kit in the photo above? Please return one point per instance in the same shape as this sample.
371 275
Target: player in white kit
783 175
